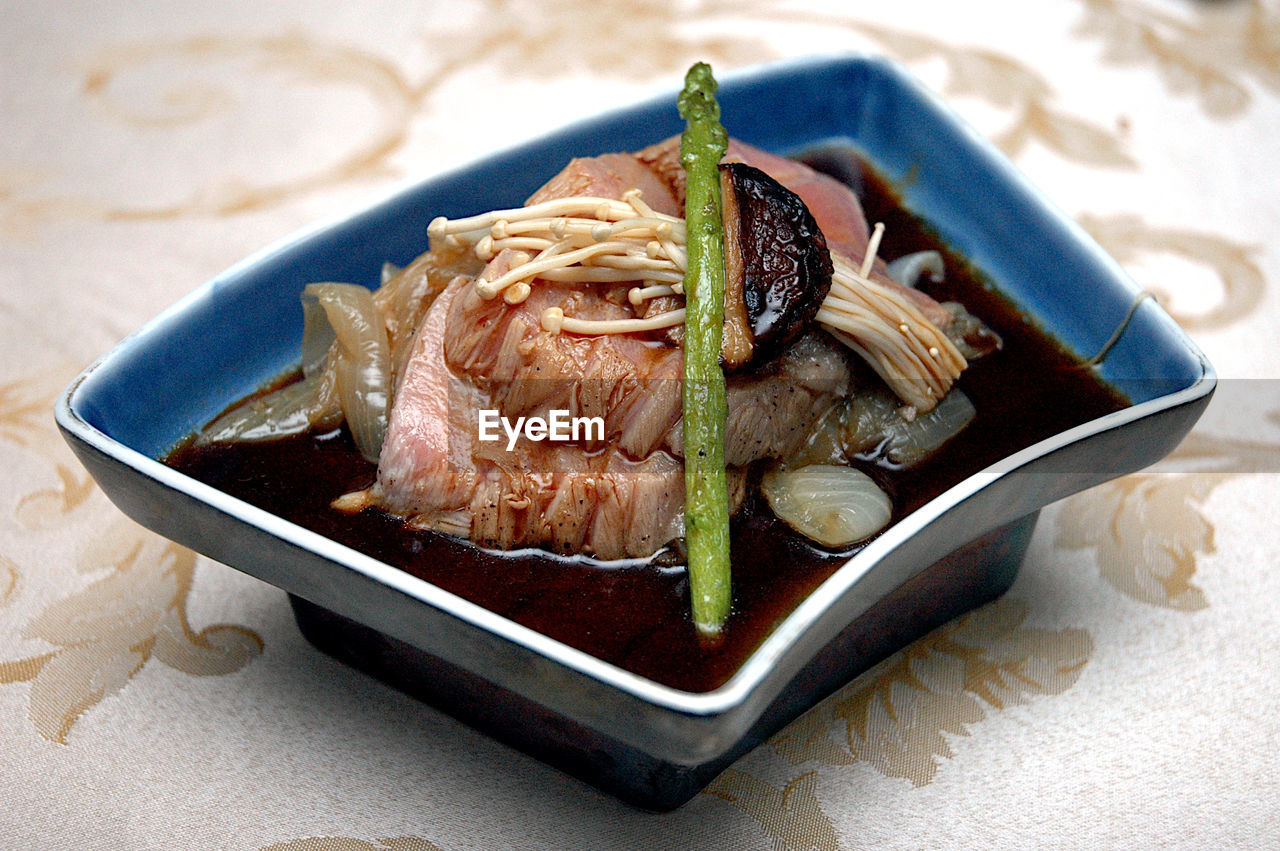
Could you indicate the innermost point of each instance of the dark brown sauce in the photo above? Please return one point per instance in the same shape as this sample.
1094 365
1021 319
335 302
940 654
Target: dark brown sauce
636 615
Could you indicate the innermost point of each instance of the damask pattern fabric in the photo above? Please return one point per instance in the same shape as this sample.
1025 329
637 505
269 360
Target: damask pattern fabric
1123 692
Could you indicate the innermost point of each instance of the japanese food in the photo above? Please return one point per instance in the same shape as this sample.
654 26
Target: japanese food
579 302
655 346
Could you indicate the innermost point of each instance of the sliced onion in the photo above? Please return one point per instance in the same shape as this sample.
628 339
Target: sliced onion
360 360
311 402
870 417
289 410
913 441
874 420
833 505
908 269
969 333
317 336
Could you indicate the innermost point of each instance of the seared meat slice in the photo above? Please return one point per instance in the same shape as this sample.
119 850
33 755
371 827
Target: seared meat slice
405 299
558 497
425 467
633 383
773 411
570 501
624 498
608 176
434 470
470 353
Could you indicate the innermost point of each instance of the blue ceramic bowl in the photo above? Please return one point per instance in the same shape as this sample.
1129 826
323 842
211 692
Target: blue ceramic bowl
651 744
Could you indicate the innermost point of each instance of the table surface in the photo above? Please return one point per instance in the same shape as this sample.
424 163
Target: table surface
1124 692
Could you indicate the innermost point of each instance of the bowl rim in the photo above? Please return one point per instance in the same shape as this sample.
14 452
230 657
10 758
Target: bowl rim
755 671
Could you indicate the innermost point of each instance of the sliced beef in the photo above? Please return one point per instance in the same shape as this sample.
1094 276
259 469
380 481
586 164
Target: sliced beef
631 382
436 472
569 501
425 466
773 411
608 176
624 498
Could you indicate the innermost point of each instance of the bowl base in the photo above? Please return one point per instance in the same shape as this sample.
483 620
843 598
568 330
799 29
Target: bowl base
976 573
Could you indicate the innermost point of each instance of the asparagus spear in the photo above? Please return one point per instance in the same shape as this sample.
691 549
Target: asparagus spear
706 494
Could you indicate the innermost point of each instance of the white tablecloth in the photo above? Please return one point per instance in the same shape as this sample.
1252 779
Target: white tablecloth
1125 692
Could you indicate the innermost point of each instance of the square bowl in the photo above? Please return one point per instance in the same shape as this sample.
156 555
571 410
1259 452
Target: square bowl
651 744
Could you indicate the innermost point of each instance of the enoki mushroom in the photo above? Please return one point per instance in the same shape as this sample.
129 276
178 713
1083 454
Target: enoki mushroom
602 240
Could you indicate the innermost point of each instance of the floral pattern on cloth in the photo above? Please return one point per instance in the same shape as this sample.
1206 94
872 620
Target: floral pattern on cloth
82 622
107 632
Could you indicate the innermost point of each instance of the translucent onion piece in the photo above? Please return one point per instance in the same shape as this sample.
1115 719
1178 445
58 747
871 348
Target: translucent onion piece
825 444
317 337
969 333
833 505
289 410
360 360
911 442
908 269
328 412
875 420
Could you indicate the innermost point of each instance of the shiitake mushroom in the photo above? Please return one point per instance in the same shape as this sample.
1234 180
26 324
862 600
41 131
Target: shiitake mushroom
777 266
